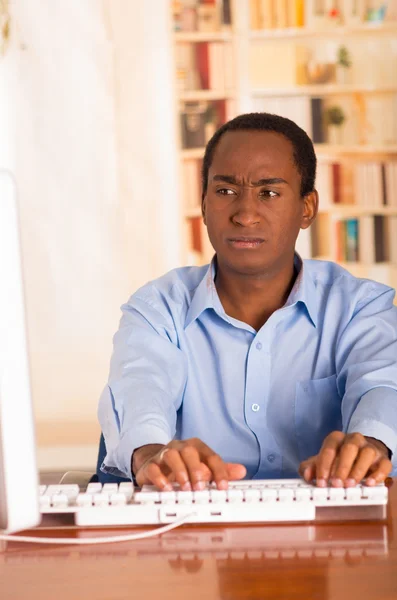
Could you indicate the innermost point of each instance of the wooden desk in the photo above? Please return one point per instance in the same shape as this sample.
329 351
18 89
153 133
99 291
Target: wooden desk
321 562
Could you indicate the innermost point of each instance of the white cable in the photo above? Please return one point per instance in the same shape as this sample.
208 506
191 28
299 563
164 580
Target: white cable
99 540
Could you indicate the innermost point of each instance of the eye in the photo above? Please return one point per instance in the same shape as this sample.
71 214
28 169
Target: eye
225 192
269 193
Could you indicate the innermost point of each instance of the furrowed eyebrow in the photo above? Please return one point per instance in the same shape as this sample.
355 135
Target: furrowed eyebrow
232 180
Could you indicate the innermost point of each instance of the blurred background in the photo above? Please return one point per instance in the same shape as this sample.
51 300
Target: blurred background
105 109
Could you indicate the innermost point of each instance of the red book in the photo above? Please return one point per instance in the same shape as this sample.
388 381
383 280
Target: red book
202 63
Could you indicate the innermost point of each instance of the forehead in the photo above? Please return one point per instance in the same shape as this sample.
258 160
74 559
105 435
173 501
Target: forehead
247 152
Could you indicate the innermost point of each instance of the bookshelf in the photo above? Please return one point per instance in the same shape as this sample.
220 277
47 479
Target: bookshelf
331 77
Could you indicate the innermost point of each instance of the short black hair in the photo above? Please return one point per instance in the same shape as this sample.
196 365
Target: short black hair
303 150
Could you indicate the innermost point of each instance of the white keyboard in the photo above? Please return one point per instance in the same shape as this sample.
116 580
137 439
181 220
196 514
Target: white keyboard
255 501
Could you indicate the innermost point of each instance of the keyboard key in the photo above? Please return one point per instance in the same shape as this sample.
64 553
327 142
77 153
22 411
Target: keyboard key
201 496
71 490
42 489
286 494
353 493
59 501
110 488
269 494
184 497
168 497
84 500
118 499
127 488
337 494
320 495
146 497
219 495
235 495
303 494
101 499
44 501
252 495
94 488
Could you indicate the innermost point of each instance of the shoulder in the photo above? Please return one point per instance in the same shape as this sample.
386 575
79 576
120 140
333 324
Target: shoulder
336 285
171 293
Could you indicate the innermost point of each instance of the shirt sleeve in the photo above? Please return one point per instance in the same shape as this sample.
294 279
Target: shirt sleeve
366 364
147 377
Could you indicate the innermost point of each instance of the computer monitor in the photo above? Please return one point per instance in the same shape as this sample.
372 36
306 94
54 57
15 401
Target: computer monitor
19 507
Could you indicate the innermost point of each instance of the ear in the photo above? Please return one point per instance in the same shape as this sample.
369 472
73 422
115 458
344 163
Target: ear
204 207
310 209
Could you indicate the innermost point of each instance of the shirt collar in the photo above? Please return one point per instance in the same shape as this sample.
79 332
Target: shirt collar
205 296
304 290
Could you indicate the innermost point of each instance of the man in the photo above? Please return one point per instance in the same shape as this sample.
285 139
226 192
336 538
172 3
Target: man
259 365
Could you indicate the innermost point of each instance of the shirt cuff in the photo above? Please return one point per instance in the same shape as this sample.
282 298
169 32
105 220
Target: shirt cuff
133 439
374 416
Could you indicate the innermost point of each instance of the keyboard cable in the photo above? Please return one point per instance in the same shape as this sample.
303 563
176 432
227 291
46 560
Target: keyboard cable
97 540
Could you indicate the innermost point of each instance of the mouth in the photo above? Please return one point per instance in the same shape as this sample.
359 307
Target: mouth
245 242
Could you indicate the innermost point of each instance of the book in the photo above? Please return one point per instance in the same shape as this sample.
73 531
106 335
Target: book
336 183
352 243
381 242
193 124
317 128
255 14
267 14
280 14
392 239
366 250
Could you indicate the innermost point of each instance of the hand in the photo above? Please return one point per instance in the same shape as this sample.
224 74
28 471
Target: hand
191 463
346 459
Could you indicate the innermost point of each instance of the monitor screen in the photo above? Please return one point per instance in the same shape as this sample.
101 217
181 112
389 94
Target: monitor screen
19 508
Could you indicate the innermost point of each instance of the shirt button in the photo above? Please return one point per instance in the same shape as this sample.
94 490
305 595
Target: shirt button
255 407
259 346
271 458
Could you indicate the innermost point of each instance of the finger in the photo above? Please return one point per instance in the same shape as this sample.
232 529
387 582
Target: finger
344 462
220 473
152 474
197 474
365 459
177 467
307 469
235 471
326 457
379 472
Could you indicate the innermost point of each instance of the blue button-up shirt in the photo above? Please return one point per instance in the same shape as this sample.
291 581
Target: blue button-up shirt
181 368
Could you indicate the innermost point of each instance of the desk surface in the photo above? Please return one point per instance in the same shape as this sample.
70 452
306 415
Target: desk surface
322 562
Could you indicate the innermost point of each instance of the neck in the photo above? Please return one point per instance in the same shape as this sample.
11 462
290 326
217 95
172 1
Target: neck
253 299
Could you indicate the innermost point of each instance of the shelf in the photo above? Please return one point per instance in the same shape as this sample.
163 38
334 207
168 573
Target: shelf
328 149
203 36
324 90
205 95
353 210
356 265
301 32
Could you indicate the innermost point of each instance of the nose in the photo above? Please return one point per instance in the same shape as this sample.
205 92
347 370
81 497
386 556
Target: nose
246 212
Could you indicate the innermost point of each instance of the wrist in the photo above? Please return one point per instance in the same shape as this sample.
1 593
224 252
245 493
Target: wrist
380 446
142 455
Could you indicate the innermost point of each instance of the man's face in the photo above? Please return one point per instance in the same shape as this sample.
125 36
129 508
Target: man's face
253 208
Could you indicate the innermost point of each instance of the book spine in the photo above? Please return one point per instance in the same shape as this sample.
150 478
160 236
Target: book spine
352 240
317 121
